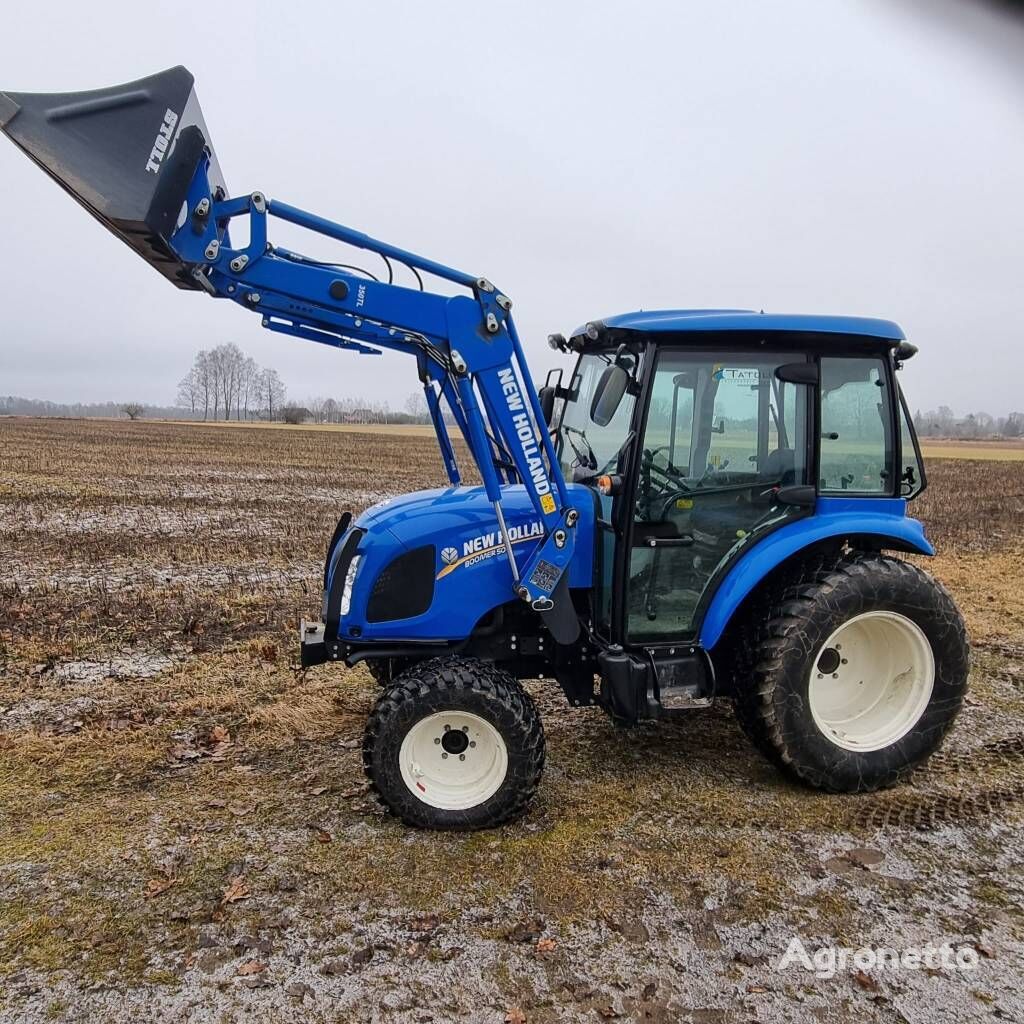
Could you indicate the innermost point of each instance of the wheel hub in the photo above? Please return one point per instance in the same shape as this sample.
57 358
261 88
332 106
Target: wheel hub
828 661
454 741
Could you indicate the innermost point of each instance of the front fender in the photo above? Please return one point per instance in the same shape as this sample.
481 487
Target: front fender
882 518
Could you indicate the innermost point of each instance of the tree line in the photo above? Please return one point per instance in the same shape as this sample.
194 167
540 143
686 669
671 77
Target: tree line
943 422
360 410
224 381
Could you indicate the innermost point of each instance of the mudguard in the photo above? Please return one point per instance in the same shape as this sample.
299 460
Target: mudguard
882 518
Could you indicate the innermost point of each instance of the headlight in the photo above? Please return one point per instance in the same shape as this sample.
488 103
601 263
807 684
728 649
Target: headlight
350 578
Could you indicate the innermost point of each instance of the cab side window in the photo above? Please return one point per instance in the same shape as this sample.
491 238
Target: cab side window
856 429
912 476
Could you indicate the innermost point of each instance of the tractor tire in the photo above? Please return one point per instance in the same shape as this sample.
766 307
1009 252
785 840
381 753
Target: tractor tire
385 670
858 674
456 744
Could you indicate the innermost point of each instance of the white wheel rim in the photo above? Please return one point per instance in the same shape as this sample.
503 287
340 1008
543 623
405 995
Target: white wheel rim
871 681
450 773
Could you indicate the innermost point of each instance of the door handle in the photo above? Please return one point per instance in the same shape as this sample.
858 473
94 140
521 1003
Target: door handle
670 542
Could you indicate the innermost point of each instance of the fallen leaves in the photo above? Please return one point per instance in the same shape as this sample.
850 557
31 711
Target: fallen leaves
189 749
515 1016
157 886
866 982
423 924
320 834
526 931
219 735
251 967
546 946
237 889
860 858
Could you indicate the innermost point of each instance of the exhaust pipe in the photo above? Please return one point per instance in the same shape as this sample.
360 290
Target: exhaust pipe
128 154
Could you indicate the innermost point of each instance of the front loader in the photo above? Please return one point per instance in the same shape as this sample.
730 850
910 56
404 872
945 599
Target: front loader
702 511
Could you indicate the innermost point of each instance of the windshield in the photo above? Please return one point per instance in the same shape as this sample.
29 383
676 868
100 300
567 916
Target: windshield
585 450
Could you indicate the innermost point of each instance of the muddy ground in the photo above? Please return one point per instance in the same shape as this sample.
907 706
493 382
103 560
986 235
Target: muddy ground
184 827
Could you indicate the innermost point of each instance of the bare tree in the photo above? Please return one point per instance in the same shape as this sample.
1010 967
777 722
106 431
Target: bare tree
189 391
316 407
133 410
228 361
416 406
272 393
249 390
1013 425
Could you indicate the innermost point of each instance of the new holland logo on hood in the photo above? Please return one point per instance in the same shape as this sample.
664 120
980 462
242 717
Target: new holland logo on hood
486 545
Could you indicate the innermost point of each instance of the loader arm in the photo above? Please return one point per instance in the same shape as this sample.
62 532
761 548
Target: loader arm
166 198
468 354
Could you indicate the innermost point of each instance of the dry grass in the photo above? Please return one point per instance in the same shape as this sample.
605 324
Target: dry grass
154 577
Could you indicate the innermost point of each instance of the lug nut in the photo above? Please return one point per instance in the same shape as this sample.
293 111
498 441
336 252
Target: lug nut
462 757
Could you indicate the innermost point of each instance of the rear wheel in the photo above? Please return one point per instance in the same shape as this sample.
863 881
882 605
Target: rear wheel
454 743
858 674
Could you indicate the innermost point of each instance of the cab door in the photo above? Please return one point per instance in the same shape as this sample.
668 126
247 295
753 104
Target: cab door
724 459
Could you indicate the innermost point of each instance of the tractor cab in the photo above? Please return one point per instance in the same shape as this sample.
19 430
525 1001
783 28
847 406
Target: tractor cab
702 433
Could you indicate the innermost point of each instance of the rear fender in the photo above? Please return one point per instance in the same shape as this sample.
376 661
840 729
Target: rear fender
882 522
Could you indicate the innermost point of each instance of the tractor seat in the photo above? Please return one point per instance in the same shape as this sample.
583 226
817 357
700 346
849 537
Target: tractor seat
780 465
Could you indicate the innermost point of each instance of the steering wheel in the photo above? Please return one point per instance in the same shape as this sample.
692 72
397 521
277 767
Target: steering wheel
661 484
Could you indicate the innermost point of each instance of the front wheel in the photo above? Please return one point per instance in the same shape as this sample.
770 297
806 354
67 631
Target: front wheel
454 743
858 675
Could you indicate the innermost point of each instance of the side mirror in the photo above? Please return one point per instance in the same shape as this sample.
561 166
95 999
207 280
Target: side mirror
608 394
720 428
547 402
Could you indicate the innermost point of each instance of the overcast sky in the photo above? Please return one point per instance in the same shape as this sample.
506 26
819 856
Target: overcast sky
826 156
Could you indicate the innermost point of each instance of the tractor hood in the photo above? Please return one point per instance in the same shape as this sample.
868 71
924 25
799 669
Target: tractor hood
453 512
461 568
127 154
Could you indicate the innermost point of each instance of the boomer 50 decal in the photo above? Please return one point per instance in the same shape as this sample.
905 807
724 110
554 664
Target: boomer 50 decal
486 545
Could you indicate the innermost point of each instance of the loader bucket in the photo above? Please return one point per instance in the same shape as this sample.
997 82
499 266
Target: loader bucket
127 154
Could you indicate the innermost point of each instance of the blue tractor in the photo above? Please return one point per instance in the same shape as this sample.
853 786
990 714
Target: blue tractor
701 510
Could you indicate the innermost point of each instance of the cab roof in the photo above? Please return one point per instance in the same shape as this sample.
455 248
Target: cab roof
681 320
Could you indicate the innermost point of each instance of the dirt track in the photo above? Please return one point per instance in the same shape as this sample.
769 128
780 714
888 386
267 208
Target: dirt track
184 826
